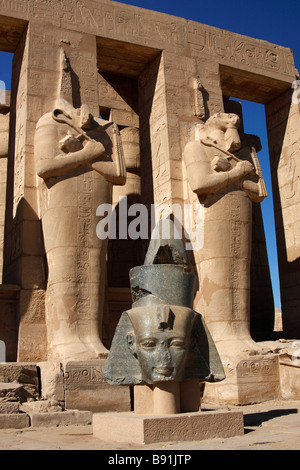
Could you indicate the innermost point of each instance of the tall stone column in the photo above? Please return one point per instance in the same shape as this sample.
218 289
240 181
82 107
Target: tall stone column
4 138
283 121
34 90
23 250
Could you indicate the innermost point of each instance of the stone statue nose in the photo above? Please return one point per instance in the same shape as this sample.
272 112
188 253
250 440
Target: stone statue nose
164 355
232 140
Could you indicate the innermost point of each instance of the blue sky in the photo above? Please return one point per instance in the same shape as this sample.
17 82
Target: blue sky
276 21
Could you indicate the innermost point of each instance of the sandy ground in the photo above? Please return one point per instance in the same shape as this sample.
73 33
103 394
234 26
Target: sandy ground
268 426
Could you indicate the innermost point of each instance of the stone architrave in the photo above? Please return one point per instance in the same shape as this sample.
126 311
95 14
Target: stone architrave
78 159
226 179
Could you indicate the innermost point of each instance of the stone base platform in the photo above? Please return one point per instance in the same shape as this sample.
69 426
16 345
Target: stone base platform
147 429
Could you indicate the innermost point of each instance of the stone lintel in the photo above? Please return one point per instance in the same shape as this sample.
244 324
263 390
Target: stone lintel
106 19
11 30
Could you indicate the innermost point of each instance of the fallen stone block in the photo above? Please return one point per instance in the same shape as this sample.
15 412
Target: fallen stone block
22 373
40 406
86 390
9 407
63 418
52 380
18 392
14 421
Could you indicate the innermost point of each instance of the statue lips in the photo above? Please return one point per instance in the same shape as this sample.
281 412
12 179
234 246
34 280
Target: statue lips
164 370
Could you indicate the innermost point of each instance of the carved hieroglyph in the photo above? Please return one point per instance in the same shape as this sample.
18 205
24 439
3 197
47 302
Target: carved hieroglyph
78 158
226 179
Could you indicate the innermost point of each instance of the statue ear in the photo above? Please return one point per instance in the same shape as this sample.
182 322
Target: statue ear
131 343
60 115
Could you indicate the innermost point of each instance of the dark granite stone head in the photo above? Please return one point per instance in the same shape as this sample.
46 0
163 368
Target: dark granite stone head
160 340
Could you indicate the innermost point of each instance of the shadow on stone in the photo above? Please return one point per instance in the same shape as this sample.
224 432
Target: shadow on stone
256 419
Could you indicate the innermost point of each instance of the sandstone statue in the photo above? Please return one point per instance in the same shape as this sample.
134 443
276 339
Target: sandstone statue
162 339
227 179
78 158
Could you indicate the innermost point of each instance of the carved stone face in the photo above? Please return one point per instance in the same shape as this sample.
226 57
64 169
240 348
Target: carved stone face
160 341
82 116
223 129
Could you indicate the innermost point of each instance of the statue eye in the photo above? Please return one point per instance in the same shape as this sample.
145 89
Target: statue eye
177 343
148 343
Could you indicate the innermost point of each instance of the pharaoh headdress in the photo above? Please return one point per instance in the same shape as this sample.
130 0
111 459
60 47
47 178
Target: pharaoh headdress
165 280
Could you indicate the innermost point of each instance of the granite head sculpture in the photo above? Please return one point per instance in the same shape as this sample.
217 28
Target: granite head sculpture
162 338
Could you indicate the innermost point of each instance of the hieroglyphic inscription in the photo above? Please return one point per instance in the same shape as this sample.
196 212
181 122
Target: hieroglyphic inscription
85 388
125 22
14 5
53 11
20 143
164 32
87 75
44 56
84 218
259 372
257 368
83 375
239 49
235 251
129 23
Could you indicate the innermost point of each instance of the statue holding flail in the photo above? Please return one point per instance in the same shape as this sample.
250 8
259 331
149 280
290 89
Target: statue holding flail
78 158
227 178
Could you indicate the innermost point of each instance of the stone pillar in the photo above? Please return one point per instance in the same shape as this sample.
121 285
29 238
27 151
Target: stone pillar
34 90
4 138
153 131
23 253
169 397
125 253
166 398
283 122
261 294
